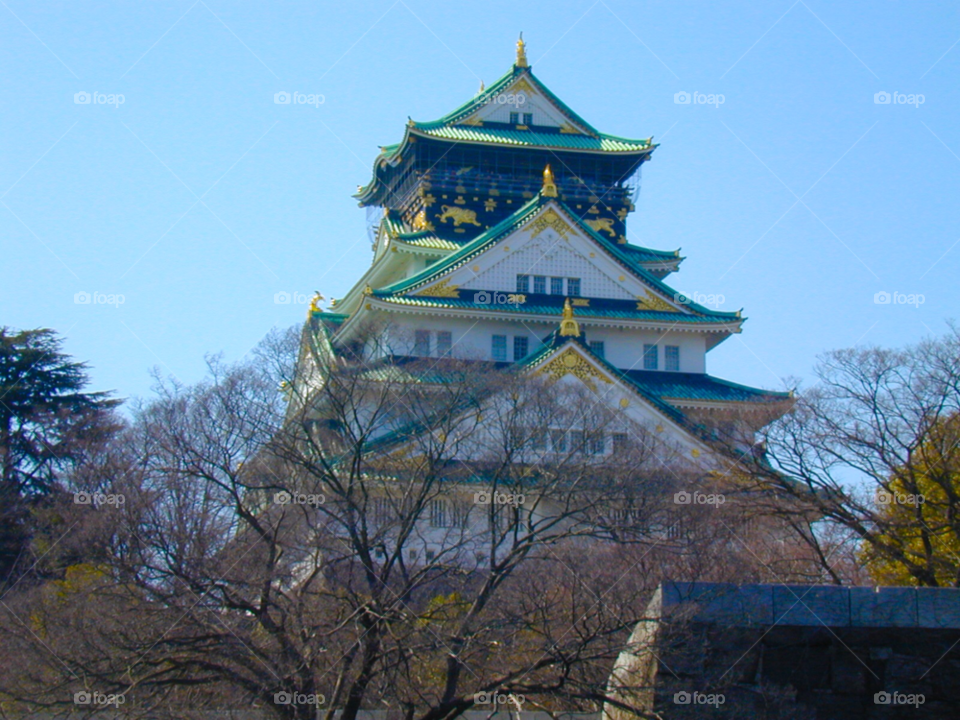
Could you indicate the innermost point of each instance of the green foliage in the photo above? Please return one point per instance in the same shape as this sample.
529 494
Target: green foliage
46 424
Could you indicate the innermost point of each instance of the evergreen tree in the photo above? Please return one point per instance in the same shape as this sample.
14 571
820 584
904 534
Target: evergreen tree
45 420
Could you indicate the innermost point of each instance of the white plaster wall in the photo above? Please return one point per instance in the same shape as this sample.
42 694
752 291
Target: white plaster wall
472 340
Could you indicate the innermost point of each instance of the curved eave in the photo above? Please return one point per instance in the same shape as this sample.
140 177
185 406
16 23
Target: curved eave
643 320
392 154
517 220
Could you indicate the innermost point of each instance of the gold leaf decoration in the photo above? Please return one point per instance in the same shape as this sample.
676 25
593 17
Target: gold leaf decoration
570 362
652 302
550 220
442 289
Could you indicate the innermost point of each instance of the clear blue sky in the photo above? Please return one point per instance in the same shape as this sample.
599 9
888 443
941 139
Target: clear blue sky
198 198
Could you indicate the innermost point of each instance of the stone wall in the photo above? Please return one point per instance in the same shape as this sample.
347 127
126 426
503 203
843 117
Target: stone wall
799 652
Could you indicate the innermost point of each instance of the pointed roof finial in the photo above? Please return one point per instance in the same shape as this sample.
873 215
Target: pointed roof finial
521 53
482 88
568 326
549 188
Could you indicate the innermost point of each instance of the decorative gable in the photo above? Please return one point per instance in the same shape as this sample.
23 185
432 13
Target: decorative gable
524 98
549 257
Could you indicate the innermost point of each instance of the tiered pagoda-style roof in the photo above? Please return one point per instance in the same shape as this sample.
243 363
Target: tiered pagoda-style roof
523 200
462 174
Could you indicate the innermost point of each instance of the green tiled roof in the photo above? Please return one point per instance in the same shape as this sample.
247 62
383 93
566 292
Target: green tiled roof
507 225
649 255
698 386
531 138
428 239
503 83
542 305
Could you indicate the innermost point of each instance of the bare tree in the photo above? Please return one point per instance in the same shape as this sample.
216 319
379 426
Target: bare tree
869 458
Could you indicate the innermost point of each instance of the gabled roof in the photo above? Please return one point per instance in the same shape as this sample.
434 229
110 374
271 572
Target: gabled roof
483 98
498 232
457 126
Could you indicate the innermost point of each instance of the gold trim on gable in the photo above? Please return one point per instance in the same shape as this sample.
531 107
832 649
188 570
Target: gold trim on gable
652 302
550 220
442 289
570 362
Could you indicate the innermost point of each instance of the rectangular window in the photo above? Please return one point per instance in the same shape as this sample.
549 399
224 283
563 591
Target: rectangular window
573 287
421 343
499 348
444 342
556 286
521 347
671 358
539 285
649 357
558 439
528 118
514 118
597 444
538 439
438 513
620 443
430 555
381 510
523 284
597 348
577 441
